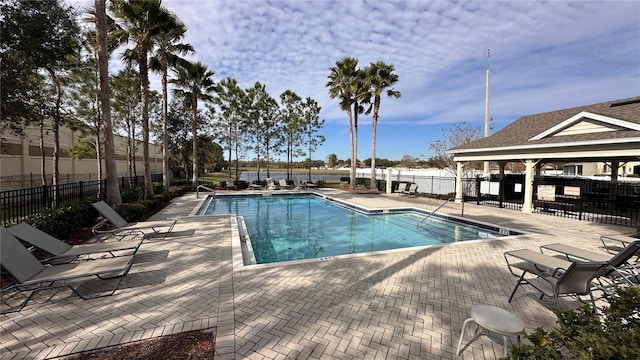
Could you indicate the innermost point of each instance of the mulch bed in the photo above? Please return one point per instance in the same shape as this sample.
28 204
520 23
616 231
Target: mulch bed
193 345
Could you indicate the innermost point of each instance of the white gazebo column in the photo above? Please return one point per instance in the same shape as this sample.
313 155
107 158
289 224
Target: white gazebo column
389 187
527 206
459 170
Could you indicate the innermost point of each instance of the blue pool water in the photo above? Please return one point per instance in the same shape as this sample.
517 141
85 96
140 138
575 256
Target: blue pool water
283 228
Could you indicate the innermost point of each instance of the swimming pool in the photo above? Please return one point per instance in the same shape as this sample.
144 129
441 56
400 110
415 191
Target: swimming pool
295 227
306 226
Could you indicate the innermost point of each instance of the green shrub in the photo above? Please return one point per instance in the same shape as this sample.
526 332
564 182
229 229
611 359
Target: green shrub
62 221
157 187
131 211
583 334
133 194
241 184
175 191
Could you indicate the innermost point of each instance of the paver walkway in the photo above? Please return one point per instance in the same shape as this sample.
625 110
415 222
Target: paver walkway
402 304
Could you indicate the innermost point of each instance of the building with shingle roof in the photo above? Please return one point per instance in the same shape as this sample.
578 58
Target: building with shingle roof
608 132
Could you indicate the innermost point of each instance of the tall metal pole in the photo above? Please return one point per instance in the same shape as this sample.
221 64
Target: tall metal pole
486 111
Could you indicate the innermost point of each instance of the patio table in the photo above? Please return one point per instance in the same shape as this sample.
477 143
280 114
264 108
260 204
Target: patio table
493 319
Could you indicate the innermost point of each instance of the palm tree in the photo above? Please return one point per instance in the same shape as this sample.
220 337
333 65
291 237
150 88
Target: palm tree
194 81
113 188
142 22
166 56
379 76
341 81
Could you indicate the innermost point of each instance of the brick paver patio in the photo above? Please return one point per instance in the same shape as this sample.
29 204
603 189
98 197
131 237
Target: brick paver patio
407 304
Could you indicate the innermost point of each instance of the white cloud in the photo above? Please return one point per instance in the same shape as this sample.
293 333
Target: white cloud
544 55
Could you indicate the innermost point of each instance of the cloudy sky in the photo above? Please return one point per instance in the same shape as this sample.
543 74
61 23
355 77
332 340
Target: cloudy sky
543 56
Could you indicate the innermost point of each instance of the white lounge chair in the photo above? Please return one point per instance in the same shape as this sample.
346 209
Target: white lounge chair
271 185
413 188
230 184
299 184
282 183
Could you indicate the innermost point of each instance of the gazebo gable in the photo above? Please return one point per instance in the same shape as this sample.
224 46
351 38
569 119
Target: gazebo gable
587 123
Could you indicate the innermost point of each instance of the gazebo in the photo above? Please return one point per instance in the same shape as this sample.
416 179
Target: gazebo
603 132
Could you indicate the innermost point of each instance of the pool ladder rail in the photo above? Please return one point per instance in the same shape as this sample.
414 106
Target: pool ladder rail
438 208
206 188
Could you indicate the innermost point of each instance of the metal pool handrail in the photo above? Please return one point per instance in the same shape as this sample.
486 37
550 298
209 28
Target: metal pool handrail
438 208
206 188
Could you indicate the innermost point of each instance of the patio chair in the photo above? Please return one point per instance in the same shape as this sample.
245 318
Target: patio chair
299 184
32 276
309 184
117 225
229 184
271 185
282 183
60 250
619 265
413 188
575 280
401 187
614 242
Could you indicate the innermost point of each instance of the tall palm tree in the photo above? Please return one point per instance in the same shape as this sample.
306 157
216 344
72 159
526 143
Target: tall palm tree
142 22
194 81
113 188
167 56
379 76
341 81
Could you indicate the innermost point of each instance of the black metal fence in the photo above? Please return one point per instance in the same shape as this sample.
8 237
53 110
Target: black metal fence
586 199
507 193
15 204
579 198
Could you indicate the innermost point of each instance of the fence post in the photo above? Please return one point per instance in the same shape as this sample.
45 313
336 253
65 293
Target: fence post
81 189
45 196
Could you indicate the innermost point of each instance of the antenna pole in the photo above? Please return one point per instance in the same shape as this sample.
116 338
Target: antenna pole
486 110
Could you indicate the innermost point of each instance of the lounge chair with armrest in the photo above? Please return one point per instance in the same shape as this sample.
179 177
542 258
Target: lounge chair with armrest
117 225
413 188
230 184
401 187
32 276
614 242
271 185
574 280
283 184
299 184
620 266
60 250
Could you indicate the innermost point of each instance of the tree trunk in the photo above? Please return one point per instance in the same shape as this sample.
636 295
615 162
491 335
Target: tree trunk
230 144
352 173
194 131
374 126
55 130
309 160
43 166
237 143
165 144
354 160
144 90
113 188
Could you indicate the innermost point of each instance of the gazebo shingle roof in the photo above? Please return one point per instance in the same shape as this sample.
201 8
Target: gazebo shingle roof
522 130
